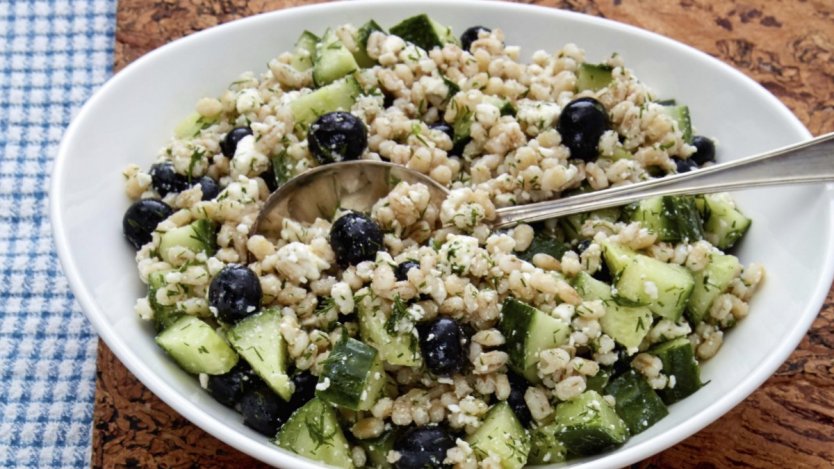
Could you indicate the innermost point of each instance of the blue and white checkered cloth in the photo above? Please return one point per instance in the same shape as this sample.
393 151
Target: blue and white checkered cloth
53 54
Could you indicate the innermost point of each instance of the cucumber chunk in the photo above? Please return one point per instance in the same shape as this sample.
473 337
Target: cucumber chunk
199 236
545 448
424 32
680 113
627 325
643 280
710 282
333 60
337 96
197 347
377 449
259 341
362 35
685 216
572 224
637 403
593 77
464 117
352 376
313 432
163 315
192 125
616 257
589 425
395 348
724 224
305 51
544 243
528 331
671 218
678 359
501 434
599 381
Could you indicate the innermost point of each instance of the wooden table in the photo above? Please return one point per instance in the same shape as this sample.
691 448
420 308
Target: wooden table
788 47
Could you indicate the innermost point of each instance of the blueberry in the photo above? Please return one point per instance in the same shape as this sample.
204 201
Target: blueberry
228 388
685 166
355 238
235 293
603 274
471 35
141 219
388 100
401 272
305 389
442 343
445 128
263 410
423 447
583 245
705 150
622 365
209 187
229 143
459 146
518 386
337 136
581 124
165 179
269 179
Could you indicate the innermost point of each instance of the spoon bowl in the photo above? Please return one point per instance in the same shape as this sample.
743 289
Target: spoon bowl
348 185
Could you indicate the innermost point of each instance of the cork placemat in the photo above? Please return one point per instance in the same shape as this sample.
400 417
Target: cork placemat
788 47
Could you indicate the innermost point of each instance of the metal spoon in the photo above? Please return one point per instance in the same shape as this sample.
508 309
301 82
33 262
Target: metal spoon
357 185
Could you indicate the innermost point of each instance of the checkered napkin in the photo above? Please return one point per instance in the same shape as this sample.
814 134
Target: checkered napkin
53 54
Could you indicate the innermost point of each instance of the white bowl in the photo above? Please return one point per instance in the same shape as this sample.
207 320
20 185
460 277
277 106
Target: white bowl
132 116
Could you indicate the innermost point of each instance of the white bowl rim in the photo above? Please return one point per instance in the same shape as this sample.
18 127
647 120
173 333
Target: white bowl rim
245 444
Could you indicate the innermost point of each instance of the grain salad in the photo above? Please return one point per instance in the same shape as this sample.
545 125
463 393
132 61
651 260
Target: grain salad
415 335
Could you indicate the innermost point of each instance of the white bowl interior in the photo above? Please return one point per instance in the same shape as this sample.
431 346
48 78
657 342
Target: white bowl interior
132 116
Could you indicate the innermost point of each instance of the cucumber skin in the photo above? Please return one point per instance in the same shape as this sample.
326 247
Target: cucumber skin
377 448
295 435
636 402
671 218
349 374
422 31
305 51
678 357
680 113
685 216
587 433
362 35
545 447
523 326
544 244
205 352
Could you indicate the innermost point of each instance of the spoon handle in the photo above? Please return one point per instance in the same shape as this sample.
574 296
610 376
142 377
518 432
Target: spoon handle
810 161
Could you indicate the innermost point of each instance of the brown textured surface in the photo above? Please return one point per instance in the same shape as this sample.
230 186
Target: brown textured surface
786 46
